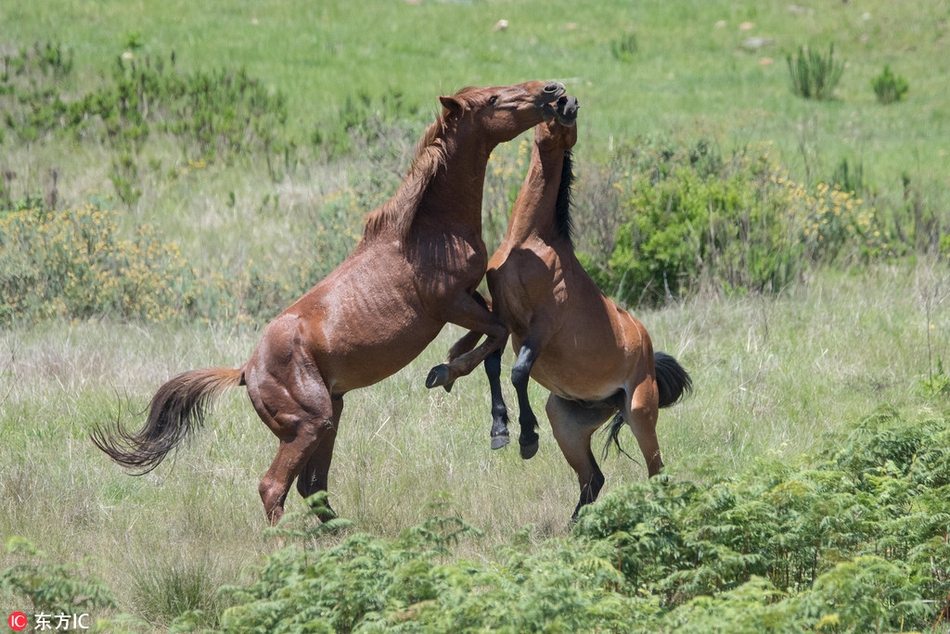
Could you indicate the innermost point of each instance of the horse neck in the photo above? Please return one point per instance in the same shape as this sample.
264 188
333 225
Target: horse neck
534 209
455 193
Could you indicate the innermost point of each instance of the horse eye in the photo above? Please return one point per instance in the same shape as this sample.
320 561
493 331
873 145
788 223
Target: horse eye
492 100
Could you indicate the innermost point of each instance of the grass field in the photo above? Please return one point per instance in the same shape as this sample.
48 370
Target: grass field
772 374
772 377
688 73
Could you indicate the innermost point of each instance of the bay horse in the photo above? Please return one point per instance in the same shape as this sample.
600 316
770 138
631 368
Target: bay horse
415 269
596 360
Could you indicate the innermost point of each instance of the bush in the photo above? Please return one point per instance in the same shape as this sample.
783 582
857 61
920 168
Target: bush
367 584
814 76
70 263
624 47
695 219
889 87
217 115
50 588
856 541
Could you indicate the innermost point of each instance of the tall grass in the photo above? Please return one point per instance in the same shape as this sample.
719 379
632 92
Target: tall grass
814 75
772 376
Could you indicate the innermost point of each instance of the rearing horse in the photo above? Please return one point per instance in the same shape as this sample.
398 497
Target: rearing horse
415 269
593 356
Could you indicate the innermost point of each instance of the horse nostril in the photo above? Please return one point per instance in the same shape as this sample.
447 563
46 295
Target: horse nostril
554 87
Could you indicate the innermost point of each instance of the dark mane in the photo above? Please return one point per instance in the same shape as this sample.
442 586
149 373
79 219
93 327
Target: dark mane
562 207
398 212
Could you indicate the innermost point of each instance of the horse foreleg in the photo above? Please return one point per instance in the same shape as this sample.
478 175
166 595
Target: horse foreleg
499 428
473 314
313 478
520 376
499 411
573 425
464 344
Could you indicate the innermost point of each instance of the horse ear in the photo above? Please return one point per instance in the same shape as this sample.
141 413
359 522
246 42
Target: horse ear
452 104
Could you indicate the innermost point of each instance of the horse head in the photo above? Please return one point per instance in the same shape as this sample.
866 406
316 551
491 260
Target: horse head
559 134
500 113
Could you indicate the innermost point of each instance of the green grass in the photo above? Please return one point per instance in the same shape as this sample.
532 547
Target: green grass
687 72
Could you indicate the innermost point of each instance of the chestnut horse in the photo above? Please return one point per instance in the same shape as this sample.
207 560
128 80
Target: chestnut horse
593 356
416 268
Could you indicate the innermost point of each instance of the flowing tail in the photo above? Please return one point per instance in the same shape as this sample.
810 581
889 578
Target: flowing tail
672 382
176 410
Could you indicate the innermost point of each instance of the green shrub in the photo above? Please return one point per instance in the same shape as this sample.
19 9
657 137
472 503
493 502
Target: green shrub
213 116
695 219
165 590
814 76
856 540
50 588
70 263
889 87
624 47
848 176
367 584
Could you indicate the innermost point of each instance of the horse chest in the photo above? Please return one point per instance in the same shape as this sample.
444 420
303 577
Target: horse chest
525 282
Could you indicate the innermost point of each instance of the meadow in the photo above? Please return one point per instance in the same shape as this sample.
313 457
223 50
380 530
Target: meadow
780 373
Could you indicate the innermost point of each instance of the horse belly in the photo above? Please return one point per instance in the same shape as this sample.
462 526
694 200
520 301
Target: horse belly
589 356
371 350
365 321
579 378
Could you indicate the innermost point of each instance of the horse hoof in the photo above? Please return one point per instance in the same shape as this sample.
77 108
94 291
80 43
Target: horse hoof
439 375
497 442
528 450
326 515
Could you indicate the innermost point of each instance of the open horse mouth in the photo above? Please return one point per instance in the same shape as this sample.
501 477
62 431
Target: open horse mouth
566 110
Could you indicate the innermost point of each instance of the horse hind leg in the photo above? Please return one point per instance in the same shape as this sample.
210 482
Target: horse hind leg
641 413
299 412
313 478
573 424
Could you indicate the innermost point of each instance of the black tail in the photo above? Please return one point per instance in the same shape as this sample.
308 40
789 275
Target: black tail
672 382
